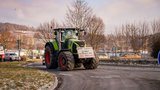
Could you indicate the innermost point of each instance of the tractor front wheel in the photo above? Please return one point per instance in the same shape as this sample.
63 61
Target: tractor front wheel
66 61
90 63
78 65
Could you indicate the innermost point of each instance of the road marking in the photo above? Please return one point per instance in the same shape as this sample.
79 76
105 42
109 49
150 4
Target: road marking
107 77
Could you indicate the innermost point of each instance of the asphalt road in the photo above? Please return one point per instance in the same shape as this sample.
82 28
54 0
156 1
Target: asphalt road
108 78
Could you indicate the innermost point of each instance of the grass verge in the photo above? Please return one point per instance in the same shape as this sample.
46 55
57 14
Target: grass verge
14 76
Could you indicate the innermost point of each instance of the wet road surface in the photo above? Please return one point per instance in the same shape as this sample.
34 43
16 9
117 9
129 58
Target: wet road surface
107 78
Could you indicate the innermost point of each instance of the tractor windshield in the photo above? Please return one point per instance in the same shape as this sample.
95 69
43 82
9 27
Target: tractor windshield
69 34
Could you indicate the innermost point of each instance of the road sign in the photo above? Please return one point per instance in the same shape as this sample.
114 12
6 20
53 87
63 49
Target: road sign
159 57
85 52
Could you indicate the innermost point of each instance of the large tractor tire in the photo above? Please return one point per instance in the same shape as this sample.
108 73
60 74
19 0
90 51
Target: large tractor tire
78 65
50 58
66 61
90 63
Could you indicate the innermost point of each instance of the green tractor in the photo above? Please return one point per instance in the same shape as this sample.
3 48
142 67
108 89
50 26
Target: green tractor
67 52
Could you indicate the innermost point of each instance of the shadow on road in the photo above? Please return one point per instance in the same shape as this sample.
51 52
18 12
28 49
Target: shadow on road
43 67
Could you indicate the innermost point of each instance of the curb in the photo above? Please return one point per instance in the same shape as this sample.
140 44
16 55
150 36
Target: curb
53 87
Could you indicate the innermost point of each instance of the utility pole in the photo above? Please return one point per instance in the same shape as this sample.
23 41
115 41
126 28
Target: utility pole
19 47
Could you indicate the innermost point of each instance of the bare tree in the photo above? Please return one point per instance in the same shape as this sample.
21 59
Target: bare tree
155 38
132 36
45 31
155 26
26 42
109 41
95 36
131 33
7 40
118 39
143 35
80 16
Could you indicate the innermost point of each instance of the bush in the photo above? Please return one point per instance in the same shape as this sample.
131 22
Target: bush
23 58
155 47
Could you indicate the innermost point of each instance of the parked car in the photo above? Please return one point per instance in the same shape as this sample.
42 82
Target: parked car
11 56
130 56
1 53
103 56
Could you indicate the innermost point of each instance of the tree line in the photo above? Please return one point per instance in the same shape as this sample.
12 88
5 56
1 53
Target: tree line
142 36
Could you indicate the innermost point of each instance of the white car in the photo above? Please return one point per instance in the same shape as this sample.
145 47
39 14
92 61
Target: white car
11 56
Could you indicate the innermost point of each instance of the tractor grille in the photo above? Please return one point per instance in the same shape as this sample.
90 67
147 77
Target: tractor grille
80 43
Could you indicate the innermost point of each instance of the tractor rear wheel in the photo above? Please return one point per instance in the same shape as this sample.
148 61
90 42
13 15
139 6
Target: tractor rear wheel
90 64
50 58
66 61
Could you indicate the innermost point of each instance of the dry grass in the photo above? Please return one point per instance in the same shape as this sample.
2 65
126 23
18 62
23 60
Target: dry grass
14 76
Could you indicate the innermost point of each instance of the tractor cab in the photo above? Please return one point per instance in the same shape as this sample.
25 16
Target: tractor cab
64 35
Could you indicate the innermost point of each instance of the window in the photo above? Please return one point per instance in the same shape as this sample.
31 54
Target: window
69 34
12 54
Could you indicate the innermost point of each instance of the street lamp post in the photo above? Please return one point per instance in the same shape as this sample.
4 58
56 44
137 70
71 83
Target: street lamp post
19 47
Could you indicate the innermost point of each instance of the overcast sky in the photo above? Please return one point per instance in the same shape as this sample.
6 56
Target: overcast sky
113 12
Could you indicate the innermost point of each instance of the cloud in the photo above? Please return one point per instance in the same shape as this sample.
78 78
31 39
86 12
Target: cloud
34 12
147 2
126 7
118 12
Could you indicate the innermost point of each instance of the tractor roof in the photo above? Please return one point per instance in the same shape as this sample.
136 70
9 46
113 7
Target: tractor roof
57 29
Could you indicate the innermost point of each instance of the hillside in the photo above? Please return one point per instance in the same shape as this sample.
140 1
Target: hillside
10 33
14 27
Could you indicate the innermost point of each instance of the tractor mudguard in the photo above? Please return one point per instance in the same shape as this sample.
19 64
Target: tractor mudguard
53 44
